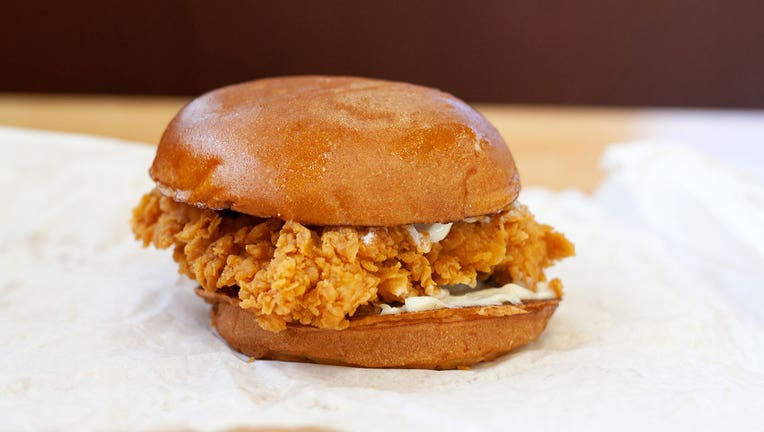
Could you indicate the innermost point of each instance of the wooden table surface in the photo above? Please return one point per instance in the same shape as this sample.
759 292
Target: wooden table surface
557 147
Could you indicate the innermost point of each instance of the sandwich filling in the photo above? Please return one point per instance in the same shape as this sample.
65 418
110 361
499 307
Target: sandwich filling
286 272
469 296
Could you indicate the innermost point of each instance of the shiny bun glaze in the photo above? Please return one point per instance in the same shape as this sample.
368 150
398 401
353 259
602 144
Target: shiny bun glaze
336 151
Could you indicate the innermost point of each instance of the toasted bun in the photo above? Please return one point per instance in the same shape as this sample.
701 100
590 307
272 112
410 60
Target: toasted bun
336 151
438 339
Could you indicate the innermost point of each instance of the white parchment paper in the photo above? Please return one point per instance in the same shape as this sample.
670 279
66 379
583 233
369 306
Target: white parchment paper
661 326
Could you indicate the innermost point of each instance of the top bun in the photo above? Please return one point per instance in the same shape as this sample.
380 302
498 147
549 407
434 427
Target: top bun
336 151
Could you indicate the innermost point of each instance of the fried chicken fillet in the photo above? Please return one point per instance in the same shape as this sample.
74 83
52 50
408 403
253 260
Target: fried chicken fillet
288 272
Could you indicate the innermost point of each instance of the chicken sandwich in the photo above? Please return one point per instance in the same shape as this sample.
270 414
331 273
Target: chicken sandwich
351 221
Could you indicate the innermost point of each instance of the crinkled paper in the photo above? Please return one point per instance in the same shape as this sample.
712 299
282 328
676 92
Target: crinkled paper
660 328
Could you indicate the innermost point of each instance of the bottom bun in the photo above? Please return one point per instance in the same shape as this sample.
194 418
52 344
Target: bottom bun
437 339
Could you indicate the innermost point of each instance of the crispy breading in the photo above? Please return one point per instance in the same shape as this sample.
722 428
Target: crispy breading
320 275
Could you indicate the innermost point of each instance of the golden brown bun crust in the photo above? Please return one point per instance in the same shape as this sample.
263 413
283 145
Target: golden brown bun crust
438 339
336 151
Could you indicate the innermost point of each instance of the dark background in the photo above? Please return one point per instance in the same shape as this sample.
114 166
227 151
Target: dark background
704 53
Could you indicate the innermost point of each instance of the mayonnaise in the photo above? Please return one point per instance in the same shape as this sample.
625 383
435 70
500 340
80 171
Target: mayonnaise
436 231
509 293
369 237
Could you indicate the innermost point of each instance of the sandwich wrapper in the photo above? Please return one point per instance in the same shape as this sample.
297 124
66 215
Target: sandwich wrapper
661 326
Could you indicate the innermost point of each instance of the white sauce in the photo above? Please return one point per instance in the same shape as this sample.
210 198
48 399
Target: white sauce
509 293
478 219
424 235
368 238
418 239
436 231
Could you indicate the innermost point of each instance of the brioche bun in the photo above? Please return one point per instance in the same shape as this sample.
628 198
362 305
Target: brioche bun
336 151
437 339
